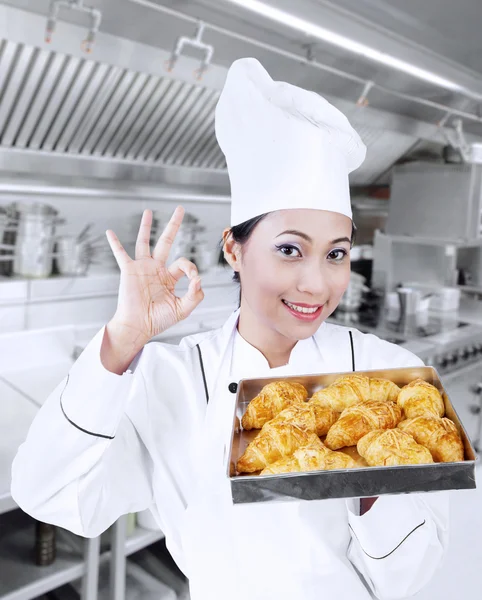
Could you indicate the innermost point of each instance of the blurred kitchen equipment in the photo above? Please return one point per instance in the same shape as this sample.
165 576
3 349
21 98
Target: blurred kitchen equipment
45 544
73 257
33 226
83 234
439 298
436 201
409 300
188 241
187 238
353 296
8 234
463 277
445 298
3 222
203 257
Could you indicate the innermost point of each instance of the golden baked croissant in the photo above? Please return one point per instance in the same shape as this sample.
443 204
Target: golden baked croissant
309 415
391 447
271 400
383 390
272 443
439 436
315 456
344 392
356 421
421 399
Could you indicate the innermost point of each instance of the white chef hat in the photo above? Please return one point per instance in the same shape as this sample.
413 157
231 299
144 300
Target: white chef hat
285 147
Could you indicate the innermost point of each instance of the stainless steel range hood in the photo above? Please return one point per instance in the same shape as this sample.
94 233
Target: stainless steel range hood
54 102
118 114
64 113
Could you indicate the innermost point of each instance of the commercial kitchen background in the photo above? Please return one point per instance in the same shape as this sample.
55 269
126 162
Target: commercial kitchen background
109 111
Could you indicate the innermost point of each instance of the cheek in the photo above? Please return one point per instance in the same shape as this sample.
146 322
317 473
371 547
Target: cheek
340 281
265 279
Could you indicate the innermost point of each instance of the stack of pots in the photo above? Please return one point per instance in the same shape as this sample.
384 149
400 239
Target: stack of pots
30 233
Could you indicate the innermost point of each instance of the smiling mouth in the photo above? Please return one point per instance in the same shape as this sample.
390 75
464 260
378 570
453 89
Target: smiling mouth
307 310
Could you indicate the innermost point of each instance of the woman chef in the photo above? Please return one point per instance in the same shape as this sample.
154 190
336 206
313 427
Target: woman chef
137 425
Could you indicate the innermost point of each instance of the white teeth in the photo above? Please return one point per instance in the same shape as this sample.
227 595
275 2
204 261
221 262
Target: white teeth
301 309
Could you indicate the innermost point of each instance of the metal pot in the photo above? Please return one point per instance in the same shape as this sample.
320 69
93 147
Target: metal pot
33 227
409 300
73 257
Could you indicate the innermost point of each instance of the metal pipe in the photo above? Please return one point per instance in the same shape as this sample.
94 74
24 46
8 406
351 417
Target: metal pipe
313 63
53 16
195 42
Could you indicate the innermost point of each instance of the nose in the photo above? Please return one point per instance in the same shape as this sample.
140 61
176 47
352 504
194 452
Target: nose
314 281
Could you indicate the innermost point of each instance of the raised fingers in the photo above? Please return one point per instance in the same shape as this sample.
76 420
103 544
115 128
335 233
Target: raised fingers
164 243
143 249
117 248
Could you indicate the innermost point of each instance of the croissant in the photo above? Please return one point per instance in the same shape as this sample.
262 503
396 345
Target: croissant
309 415
421 399
271 400
315 456
356 421
272 443
383 390
439 436
344 392
391 447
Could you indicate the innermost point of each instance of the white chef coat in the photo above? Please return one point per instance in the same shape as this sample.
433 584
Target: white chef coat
104 445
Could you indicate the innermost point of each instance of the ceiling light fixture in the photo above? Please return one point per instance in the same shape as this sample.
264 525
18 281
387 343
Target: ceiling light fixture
311 29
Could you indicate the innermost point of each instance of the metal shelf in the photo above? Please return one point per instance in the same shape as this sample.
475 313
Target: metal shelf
21 579
141 538
139 583
425 241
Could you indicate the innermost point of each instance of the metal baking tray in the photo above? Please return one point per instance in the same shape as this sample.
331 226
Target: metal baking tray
359 482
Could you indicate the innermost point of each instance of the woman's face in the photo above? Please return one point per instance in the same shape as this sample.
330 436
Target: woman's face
294 269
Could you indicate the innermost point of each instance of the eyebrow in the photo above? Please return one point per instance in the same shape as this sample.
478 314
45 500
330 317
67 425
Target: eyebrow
309 239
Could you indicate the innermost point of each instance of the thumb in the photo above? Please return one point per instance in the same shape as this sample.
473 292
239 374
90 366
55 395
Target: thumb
192 297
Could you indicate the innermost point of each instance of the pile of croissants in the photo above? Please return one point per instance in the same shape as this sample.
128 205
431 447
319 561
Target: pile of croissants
388 425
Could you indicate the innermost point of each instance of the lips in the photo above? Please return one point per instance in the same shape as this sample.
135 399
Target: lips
305 312
303 308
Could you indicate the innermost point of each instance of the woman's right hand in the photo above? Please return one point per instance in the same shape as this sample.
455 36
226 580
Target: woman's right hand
147 303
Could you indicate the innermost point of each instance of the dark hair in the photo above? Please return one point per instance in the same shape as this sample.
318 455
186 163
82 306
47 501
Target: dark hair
242 232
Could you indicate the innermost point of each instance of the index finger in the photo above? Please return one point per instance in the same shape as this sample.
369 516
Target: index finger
164 243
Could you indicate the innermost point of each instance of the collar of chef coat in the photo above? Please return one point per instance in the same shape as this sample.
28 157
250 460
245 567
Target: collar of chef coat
327 351
249 362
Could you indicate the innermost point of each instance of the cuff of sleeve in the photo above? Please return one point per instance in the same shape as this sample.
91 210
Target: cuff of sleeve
390 521
93 398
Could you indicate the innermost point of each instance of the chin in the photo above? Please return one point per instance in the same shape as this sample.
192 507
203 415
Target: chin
301 331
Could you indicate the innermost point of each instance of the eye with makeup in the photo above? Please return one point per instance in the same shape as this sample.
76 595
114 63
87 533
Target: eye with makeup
289 250
338 255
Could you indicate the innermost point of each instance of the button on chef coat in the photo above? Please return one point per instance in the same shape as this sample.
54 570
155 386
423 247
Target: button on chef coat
149 439
271 524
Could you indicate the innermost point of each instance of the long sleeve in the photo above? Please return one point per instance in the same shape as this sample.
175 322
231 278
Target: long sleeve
399 543
83 463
